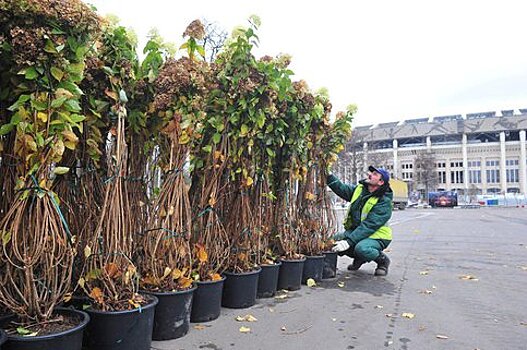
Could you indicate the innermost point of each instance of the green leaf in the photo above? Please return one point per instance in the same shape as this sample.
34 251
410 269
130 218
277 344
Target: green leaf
260 119
57 73
21 100
72 105
77 118
270 152
6 129
50 48
207 148
56 103
244 130
216 138
6 237
31 73
22 331
200 50
73 88
61 170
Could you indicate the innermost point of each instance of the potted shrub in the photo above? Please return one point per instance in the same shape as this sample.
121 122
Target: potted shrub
166 255
122 318
44 46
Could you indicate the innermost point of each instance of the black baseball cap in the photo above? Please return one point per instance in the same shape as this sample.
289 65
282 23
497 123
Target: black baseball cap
385 175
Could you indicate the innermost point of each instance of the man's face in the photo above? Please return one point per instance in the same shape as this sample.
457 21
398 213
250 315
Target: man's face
375 179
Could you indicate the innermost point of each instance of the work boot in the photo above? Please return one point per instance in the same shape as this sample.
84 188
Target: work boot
357 263
382 265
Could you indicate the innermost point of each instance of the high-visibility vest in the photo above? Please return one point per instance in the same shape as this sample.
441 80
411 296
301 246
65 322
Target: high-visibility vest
384 232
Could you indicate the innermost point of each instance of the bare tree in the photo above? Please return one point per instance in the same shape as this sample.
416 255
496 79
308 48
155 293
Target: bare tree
214 39
425 170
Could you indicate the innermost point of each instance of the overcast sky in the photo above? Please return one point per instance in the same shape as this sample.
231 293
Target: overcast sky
395 60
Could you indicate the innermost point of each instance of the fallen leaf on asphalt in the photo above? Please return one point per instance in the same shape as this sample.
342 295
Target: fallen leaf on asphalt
271 309
421 328
417 231
387 250
379 306
423 273
283 329
425 291
244 329
390 315
408 315
246 318
311 282
340 284
200 327
439 336
468 278
524 268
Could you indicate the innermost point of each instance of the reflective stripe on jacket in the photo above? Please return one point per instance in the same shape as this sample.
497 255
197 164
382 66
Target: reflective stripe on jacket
384 232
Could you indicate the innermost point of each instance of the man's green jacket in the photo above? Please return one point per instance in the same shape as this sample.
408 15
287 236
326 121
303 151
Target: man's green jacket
379 215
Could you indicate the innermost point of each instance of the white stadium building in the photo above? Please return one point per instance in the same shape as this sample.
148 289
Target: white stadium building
475 154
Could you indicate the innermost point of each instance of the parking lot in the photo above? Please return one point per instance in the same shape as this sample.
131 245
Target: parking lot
458 280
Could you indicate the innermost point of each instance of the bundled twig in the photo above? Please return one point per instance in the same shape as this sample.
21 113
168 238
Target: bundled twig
166 254
110 276
37 253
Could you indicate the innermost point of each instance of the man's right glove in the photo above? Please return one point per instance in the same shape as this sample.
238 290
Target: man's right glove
341 246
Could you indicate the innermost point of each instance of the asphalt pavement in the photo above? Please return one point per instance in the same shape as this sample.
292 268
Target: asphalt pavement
458 280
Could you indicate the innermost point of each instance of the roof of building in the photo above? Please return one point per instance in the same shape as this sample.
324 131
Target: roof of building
444 125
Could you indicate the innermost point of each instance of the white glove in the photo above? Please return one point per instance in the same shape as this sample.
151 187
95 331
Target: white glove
341 246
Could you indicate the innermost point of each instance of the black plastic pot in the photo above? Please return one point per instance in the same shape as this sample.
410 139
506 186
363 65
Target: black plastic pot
268 280
330 265
70 339
121 330
206 303
240 289
290 276
172 317
313 268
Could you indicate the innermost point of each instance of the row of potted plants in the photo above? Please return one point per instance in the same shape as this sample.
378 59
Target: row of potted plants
128 183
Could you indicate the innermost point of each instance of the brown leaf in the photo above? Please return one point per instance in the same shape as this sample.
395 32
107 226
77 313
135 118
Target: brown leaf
468 278
185 282
96 294
244 329
112 270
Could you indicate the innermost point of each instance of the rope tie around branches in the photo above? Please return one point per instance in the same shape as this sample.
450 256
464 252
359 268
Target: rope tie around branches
55 205
173 234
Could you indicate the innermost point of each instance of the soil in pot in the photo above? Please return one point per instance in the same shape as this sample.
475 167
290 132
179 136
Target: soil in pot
172 316
313 268
122 330
330 265
206 302
290 276
268 280
240 289
55 336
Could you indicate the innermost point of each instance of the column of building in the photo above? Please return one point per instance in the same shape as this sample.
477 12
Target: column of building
395 161
364 159
503 159
465 162
523 165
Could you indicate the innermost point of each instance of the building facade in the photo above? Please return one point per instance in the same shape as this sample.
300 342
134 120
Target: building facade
477 153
